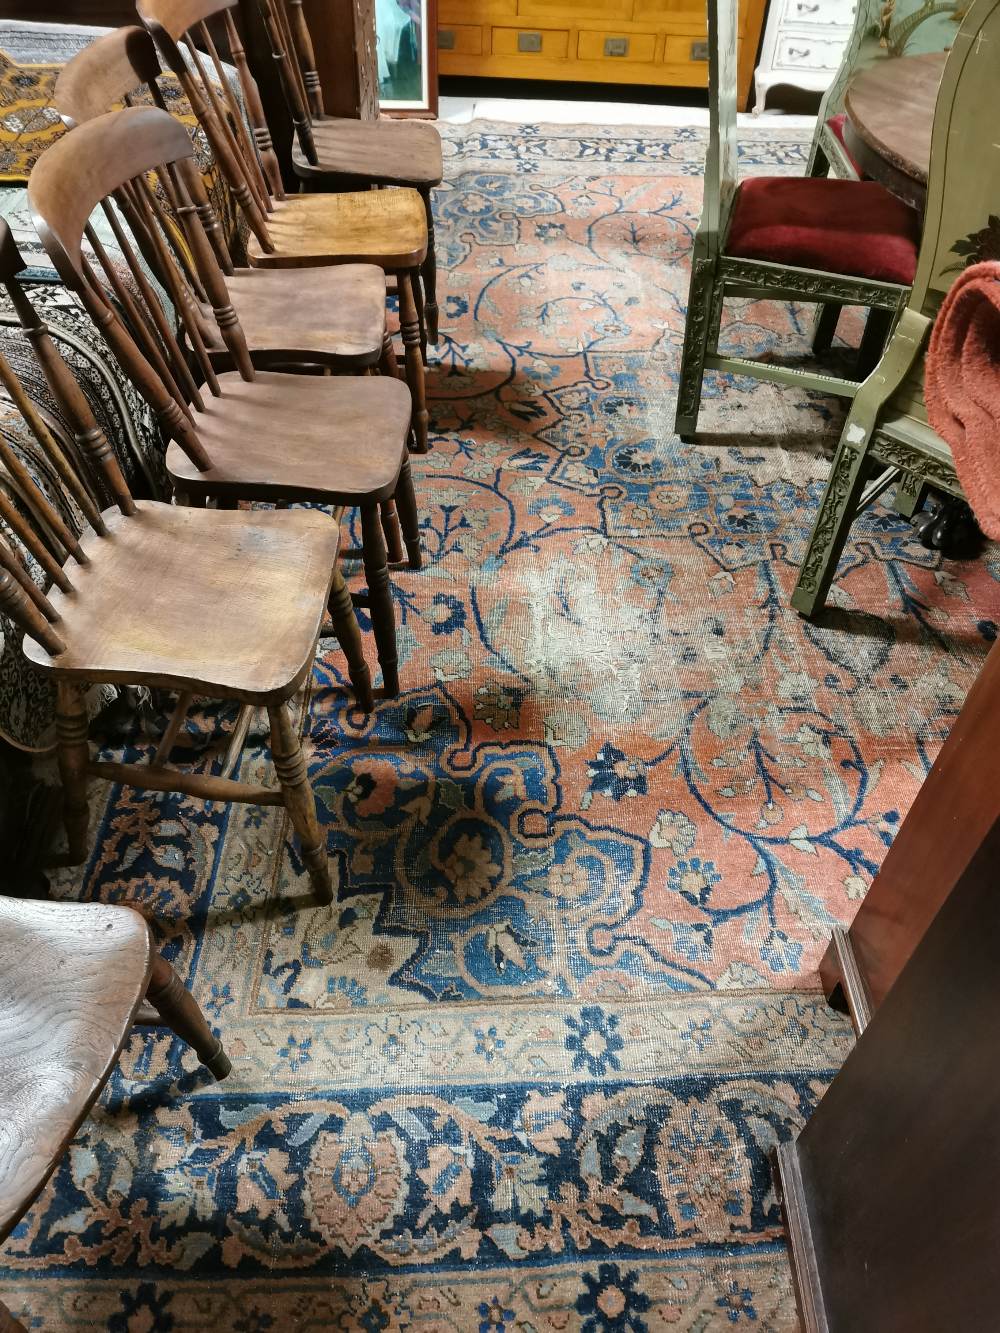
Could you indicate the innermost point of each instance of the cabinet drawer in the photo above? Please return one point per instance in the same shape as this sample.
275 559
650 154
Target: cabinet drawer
821 13
686 51
661 11
461 38
617 46
552 43
570 11
807 51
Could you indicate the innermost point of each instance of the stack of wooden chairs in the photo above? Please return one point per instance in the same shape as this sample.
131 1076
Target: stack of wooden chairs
267 360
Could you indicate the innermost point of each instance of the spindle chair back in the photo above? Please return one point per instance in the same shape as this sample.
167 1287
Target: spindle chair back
340 153
384 227
343 439
334 317
227 605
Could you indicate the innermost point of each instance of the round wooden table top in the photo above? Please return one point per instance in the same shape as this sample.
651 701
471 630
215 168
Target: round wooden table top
890 114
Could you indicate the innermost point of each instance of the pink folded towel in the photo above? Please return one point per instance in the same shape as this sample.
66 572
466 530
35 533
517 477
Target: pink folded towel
962 387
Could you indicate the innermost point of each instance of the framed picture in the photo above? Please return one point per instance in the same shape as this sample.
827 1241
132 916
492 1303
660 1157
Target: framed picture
406 49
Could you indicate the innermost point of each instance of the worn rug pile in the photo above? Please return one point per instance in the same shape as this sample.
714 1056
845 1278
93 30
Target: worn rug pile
526 1072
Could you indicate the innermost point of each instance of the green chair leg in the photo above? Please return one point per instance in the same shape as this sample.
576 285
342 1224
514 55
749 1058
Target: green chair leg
827 318
911 495
837 511
704 304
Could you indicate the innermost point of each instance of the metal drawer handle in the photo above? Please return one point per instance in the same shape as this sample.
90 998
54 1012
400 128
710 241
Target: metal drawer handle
807 9
616 46
795 51
699 50
529 41
446 39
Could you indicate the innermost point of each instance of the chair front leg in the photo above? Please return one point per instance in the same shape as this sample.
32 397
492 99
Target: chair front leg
390 530
380 598
180 1011
429 271
408 515
348 634
837 510
702 305
73 758
299 800
410 328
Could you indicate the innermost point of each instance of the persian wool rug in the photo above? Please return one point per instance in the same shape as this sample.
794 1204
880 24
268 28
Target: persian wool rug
526 1071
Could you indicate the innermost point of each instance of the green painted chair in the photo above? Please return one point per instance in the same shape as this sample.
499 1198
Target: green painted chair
880 32
887 429
782 239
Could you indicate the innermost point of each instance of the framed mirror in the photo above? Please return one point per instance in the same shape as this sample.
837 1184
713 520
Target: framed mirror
406 49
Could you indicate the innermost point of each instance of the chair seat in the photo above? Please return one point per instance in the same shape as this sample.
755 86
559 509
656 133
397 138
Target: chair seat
854 228
227 603
383 227
73 976
337 316
385 152
836 127
329 440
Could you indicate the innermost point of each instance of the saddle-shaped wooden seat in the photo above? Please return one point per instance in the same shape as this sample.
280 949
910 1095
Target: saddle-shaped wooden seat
337 315
74 979
238 607
394 152
384 227
313 417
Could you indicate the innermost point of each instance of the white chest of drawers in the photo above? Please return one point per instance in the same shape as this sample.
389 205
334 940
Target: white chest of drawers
803 45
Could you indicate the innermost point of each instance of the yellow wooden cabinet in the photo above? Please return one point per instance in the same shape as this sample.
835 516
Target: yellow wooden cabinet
600 41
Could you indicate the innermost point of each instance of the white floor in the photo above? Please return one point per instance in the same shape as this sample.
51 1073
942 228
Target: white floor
460 110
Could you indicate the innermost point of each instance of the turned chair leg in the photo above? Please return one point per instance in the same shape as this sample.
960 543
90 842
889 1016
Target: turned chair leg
380 598
387 364
390 530
348 632
418 305
299 800
429 273
73 757
180 1011
408 516
8 1324
410 328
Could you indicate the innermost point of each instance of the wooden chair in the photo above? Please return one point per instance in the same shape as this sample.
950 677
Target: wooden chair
783 239
383 227
887 424
342 439
334 152
77 977
331 317
223 605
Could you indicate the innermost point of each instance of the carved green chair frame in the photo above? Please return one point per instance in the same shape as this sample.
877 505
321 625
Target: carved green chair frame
887 425
716 275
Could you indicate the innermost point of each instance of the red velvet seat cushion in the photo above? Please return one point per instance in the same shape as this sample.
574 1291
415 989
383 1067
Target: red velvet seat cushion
852 227
836 127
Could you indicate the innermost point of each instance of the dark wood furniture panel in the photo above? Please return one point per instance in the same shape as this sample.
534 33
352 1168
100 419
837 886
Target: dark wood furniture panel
890 1191
956 812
